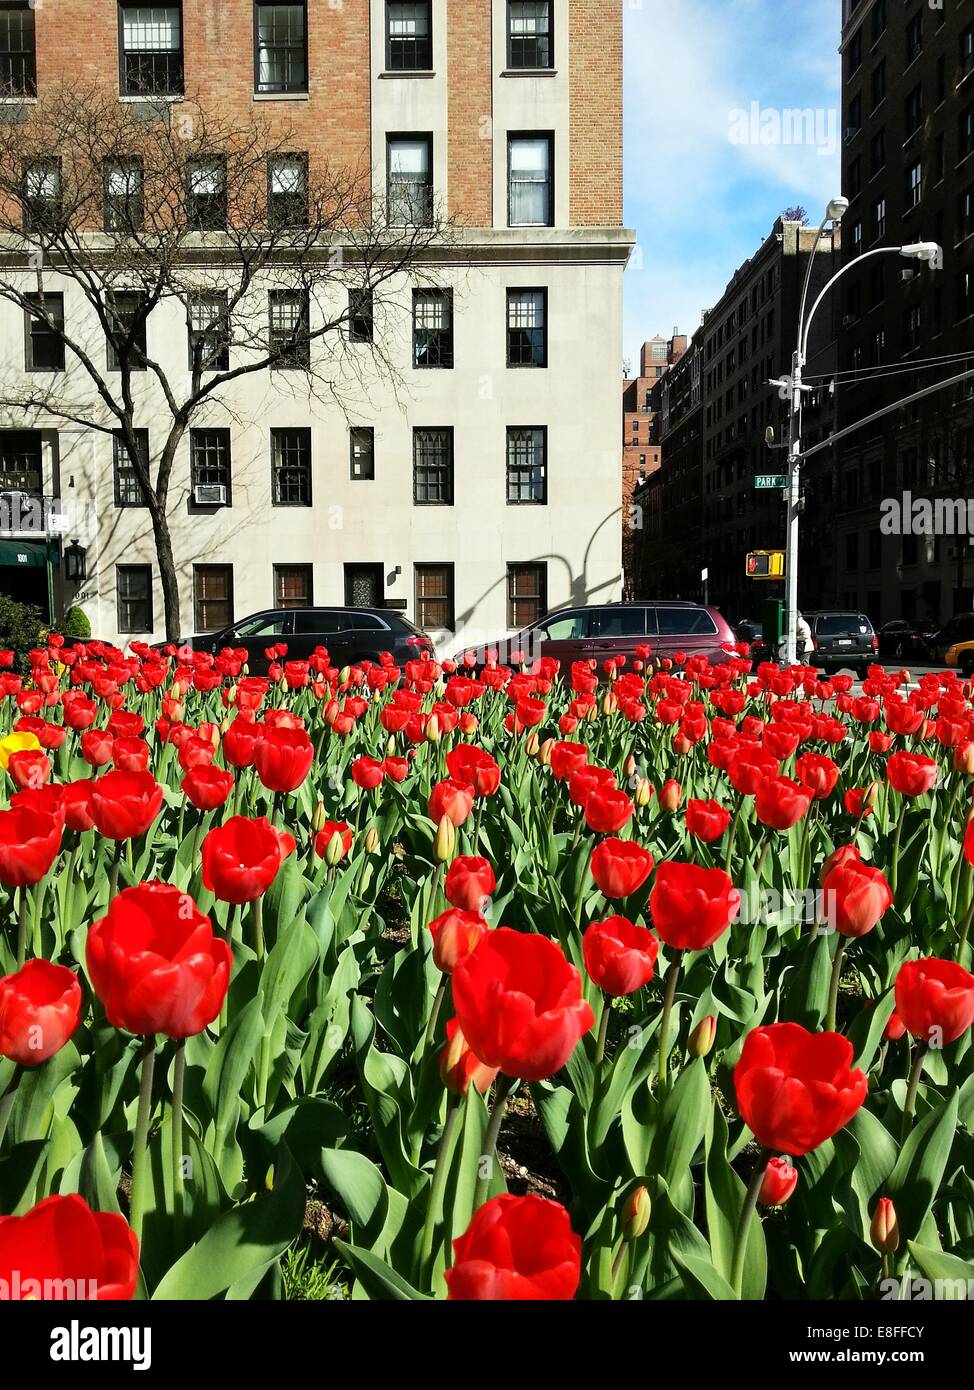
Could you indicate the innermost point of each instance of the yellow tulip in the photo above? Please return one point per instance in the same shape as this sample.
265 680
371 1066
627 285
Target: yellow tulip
16 743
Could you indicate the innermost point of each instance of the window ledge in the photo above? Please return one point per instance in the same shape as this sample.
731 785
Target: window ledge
529 72
18 101
392 73
151 98
282 96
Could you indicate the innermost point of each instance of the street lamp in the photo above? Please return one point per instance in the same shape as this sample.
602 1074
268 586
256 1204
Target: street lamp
926 251
75 563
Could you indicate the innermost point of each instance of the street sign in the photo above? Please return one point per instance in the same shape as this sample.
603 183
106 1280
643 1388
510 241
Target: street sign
765 564
770 480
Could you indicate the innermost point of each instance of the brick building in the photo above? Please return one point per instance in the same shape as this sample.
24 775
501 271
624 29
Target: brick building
504 114
640 451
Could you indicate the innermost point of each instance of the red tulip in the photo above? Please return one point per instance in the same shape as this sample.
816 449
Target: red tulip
207 787
76 804
670 796
29 843
240 740
691 906
607 810
778 1184
130 754
911 774
935 999
795 1089
619 867
451 799
707 820
567 758
96 747
40 1007
124 804
818 773
516 1248
469 882
396 769
367 773
29 769
895 1027
520 1005
62 1245
854 897
619 956
781 803
327 833
456 934
240 859
584 780
155 964
283 758
474 767
460 1068
749 767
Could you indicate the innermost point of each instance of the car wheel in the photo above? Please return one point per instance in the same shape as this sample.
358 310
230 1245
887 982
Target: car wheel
966 664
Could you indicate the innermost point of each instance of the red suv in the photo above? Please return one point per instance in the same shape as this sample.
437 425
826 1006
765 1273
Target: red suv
617 629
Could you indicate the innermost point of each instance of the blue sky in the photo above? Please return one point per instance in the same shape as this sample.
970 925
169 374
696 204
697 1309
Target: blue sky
701 193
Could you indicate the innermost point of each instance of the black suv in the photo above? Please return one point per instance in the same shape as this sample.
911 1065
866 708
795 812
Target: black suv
842 638
350 634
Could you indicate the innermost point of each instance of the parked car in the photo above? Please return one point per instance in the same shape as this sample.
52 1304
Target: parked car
751 630
842 638
350 634
953 645
613 629
902 638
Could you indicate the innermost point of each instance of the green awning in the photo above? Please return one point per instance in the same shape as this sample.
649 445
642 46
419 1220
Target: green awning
26 554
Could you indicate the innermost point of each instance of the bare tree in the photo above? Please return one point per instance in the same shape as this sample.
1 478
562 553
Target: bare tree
210 212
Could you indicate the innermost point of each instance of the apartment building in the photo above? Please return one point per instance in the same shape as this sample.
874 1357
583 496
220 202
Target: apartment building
474 484
908 172
640 450
713 409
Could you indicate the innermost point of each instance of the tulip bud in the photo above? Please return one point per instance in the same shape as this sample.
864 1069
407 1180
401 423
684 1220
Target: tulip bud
227 722
372 840
630 766
433 729
544 752
245 669
231 696
702 1037
344 674
884 1231
779 1182
636 1213
445 843
390 745
643 792
609 703
377 697
469 723
331 712
319 818
871 795
895 1027
532 744
670 796
592 713
334 851
284 687
964 758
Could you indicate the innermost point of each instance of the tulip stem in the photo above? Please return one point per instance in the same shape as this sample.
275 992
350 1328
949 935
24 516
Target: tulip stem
911 1090
603 1032
441 1170
669 994
732 835
140 1147
502 1089
965 928
435 1013
744 1223
178 1075
763 856
7 1103
834 985
257 912
22 928
113 872
894 863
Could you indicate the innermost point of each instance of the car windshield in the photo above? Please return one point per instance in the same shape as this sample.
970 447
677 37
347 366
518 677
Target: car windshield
843 625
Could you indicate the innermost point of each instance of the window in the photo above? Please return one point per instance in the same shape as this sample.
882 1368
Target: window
21 461
529 162
128 492
45 327
527 594
18 67
290 320
527 470
527 328
209 463
529 34
432 328
209 333
913 110
127 340
410 180
914 185
965 212
362 453
855 177
878 20
877 83
291 467
965 132
409 45
433 467
287 190
151 44
879 219
360 319
914 37
967 50
857 237
42 197
206 194
854 114
133 590
280 49
911 327
434 597
293 586
212 597
877 151
854 55
124 195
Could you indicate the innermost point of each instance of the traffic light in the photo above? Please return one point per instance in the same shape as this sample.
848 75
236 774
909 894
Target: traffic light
765 564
